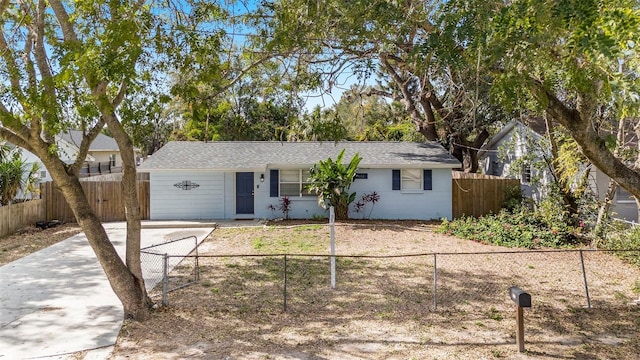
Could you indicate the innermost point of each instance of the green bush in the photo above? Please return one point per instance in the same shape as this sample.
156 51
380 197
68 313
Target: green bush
628 239
518 228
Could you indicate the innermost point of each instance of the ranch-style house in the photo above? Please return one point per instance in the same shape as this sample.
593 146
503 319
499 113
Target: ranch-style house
243 180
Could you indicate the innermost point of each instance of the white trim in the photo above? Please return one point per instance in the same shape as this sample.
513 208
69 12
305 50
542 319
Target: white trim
300 183
420 181
425 166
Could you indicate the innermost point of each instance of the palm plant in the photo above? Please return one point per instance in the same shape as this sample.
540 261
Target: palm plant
331 181
15 174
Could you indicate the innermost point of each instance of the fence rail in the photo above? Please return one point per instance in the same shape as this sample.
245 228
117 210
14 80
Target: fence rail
99 168
581 277
16 216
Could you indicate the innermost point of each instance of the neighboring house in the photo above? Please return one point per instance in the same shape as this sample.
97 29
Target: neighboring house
513 152
517 143
624 205
103 156
43 174
240 180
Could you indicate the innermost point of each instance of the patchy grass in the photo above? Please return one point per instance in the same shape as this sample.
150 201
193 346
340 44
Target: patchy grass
384 308
305 239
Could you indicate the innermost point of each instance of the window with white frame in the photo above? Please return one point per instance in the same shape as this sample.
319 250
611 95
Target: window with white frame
411 179
112 159
294 183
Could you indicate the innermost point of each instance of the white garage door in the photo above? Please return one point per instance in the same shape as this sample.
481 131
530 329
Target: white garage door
186 196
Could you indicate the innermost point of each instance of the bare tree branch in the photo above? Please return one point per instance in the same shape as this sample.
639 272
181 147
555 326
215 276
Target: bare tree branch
40 52
122 92
407 97
12 65
83 148
68 32
242 73
10 136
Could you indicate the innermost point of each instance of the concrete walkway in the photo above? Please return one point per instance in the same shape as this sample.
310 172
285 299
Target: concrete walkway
58 301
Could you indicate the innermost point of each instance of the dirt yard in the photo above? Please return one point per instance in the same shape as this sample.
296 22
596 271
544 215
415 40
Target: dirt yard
381 308
32 239
386 308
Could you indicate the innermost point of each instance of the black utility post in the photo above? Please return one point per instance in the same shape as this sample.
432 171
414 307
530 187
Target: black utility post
522 300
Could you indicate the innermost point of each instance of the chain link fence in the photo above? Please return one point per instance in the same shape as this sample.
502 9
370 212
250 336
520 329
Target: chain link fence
421 282
159 260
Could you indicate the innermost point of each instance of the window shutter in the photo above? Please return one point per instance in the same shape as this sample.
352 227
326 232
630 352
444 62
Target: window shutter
428 182
273 183
395 179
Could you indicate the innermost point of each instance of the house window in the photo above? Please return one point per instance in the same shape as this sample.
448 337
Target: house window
623 196
112 159
43 174
294 183
526 173
412 180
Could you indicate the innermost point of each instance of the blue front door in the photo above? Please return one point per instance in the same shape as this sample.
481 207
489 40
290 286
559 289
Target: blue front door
244 193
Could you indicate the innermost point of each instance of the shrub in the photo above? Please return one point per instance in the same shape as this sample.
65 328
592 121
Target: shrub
372 197
514 198
628 239
519 228
284 206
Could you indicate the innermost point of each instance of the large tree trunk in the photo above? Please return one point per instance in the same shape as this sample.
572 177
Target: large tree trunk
132 204
32 84
566 192
467 151
130 192
592 146
123 282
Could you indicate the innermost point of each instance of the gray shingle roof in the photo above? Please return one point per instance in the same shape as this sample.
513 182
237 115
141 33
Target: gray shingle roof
101 143
224 155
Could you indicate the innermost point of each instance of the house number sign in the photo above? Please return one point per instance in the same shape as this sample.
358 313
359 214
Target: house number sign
186 185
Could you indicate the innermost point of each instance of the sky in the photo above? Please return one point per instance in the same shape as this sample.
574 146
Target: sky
326 97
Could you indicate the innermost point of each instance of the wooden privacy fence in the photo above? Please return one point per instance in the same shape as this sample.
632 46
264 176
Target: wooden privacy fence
16 216
478 195
105 198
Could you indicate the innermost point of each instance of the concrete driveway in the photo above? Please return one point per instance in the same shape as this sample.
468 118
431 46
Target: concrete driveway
58 301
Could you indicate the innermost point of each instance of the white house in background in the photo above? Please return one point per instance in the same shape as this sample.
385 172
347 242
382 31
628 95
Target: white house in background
103 151
240 180
67 155
515 141
103 155
512 152
624 204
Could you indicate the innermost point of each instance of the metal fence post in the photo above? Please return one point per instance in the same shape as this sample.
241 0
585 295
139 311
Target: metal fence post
197 264
584 276
332 221
284 291
165 279
435 282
